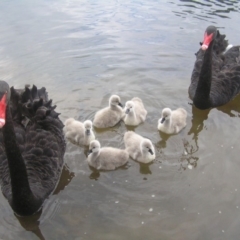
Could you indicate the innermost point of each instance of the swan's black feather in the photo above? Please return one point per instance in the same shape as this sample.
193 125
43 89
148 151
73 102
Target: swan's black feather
40 141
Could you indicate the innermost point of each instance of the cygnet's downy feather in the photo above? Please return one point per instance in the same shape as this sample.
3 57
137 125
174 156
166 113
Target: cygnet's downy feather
135 112
172 122
139 148
111 115
106 158
78 132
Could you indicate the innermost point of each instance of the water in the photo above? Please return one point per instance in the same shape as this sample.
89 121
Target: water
84 51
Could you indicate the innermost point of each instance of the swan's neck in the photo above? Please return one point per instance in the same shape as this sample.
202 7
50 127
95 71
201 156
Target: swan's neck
202 95
23 199
146 156
145 153
168 122
115 107
131 117
88 137
132 114
94 159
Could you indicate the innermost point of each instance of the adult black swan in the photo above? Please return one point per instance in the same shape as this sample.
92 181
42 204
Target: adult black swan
216 75
31 148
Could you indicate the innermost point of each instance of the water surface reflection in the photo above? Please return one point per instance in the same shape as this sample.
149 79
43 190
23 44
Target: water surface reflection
206 10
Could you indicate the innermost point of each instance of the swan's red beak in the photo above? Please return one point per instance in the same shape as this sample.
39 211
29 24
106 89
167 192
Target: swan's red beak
3 105
206 41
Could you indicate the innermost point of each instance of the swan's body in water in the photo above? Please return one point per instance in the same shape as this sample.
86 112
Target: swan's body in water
172 122
216 75
139 148
78 132
135 112
31 148
111 115
106 158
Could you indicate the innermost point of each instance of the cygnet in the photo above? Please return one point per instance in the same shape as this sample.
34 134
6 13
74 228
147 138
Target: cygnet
139 148
78 132
172 122
111 115
135 112
106 158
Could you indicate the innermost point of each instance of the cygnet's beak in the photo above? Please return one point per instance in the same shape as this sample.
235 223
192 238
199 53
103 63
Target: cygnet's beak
127 111
151 151
90 151
162 120
120 104
87 132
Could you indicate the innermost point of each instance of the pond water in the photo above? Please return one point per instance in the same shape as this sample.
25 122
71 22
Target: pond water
84 51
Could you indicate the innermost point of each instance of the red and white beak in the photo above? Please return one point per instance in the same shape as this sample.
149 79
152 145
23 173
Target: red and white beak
206 41
3 106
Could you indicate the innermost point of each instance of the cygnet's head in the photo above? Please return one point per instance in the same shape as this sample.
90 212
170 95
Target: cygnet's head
88 126
129 106
69 121
146 146
94 146
115 100
166 114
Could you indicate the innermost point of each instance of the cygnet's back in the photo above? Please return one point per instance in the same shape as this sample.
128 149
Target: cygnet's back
78 132
135 112
106 158
139 148
172 122
111 115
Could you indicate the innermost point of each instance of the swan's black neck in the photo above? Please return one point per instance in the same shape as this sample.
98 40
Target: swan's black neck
23 201
202 95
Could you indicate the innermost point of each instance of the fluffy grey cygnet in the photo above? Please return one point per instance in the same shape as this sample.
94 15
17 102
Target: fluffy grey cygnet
111 115
106 158
135 112
139 148
172 122
78 132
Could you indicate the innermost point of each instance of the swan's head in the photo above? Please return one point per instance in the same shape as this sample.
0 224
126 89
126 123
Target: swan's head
147 147
88 126
4 99
166 114
129 106
209 35
94 146
115 100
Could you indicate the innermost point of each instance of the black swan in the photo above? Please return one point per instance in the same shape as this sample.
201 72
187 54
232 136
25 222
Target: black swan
32 147
216 75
